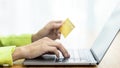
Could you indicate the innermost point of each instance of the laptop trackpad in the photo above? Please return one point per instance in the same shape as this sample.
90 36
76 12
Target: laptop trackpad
46 58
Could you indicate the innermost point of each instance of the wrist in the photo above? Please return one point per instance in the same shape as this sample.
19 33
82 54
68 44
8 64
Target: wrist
38 35
17 54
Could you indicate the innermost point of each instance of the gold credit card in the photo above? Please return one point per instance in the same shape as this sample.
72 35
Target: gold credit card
66 27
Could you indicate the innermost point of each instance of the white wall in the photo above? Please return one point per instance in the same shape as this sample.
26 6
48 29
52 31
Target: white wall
28 16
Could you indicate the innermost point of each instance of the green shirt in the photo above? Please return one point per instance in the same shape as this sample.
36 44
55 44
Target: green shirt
8 44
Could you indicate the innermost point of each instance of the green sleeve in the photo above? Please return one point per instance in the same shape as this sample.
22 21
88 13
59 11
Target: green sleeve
6 55
15 40
9 41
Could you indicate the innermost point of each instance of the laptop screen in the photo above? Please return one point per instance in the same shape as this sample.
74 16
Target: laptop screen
106 36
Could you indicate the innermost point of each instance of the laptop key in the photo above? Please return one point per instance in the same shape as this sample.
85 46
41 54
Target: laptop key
76 54
83 55
71 60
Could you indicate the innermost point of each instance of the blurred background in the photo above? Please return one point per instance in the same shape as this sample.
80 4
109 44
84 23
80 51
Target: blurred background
29 16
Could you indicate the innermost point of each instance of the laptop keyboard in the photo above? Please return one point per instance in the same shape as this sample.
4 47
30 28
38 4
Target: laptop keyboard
79 55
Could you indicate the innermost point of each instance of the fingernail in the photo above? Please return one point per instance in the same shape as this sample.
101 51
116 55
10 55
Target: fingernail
66 55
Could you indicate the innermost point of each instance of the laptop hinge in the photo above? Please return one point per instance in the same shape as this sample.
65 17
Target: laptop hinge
95 57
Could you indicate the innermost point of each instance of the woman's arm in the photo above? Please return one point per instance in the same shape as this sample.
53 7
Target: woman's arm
6 52
16 40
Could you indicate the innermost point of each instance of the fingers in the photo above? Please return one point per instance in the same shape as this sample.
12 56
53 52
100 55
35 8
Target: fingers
57 46
58 21
53 50
58 34
55 24
60 47
62 50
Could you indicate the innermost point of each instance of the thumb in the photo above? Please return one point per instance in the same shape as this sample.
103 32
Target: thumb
57 24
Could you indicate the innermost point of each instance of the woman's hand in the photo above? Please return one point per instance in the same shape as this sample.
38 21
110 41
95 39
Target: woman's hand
38 48
51 30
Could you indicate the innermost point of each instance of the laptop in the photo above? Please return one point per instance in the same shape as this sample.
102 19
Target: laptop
92 56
